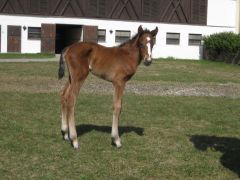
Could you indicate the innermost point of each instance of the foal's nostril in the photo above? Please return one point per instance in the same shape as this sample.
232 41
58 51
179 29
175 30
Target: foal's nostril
147 63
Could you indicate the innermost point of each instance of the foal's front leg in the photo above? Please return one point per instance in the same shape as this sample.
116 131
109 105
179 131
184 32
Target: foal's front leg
117 105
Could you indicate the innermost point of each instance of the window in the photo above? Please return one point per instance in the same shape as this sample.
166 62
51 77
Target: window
173 38
194 39
101 35
122 36
34 33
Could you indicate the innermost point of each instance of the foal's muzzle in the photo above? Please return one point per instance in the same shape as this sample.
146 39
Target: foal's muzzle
147 62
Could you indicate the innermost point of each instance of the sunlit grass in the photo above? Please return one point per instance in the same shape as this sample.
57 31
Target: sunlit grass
189 72
156 133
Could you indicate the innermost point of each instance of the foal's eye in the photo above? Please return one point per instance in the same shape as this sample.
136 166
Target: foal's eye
141 46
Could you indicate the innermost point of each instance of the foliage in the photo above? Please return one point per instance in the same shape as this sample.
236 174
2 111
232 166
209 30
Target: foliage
222 46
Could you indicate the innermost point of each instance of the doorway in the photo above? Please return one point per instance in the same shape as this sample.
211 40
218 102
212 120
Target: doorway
66 35
14 39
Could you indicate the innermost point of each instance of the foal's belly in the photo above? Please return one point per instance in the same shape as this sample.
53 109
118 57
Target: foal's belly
113 75
105 74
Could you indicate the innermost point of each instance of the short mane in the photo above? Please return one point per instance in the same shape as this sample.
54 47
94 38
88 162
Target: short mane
134 38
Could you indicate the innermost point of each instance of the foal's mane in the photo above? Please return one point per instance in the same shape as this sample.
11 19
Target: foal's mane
133 39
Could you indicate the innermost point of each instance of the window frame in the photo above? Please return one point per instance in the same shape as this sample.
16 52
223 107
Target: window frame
170 40
191 40
99 36
32 35
122 38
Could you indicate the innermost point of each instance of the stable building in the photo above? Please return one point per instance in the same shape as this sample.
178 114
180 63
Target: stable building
47 26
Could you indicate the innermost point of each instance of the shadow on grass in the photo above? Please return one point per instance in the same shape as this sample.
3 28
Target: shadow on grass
86 128
230 147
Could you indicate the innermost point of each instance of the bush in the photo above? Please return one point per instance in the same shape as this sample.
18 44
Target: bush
222 47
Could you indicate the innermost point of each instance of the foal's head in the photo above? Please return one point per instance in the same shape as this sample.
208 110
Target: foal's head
145 43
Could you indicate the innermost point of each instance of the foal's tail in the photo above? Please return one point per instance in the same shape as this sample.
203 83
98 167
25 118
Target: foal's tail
61 66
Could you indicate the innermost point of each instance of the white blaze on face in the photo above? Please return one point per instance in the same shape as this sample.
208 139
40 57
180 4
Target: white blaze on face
149 48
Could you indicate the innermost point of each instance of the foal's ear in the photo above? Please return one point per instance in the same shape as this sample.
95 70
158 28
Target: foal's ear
140 29
154 32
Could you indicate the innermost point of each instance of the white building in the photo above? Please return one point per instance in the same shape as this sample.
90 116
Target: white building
33 26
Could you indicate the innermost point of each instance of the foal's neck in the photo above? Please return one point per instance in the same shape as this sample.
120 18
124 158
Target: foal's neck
132 47
133 50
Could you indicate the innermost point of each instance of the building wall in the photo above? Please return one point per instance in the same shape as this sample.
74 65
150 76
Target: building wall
217 21
222 13
237 16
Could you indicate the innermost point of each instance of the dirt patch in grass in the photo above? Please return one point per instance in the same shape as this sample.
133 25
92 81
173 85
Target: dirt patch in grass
181 89
169 89
95 85
163 78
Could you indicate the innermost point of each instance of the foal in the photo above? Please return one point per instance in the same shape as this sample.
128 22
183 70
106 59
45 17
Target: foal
115 64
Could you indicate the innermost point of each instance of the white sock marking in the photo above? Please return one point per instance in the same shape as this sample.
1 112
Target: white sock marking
75 144
66 137
90 67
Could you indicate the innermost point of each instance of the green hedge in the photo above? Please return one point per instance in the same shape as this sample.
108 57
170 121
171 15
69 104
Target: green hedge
222 47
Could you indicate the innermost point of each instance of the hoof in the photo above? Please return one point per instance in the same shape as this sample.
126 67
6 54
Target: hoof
75 144
66 137
116 143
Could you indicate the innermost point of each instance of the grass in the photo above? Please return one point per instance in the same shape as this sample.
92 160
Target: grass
189 72
26 55
164 137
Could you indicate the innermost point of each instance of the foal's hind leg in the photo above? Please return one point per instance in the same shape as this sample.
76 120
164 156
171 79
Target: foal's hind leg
75 86
64 123
71 120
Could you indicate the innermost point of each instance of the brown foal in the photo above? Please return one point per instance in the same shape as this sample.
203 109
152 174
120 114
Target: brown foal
115 64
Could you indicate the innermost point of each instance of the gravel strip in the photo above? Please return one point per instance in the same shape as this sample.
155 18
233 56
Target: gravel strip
98 86
164 89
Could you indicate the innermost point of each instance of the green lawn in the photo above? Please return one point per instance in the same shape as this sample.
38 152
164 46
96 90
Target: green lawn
164 137
189 72
26 55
